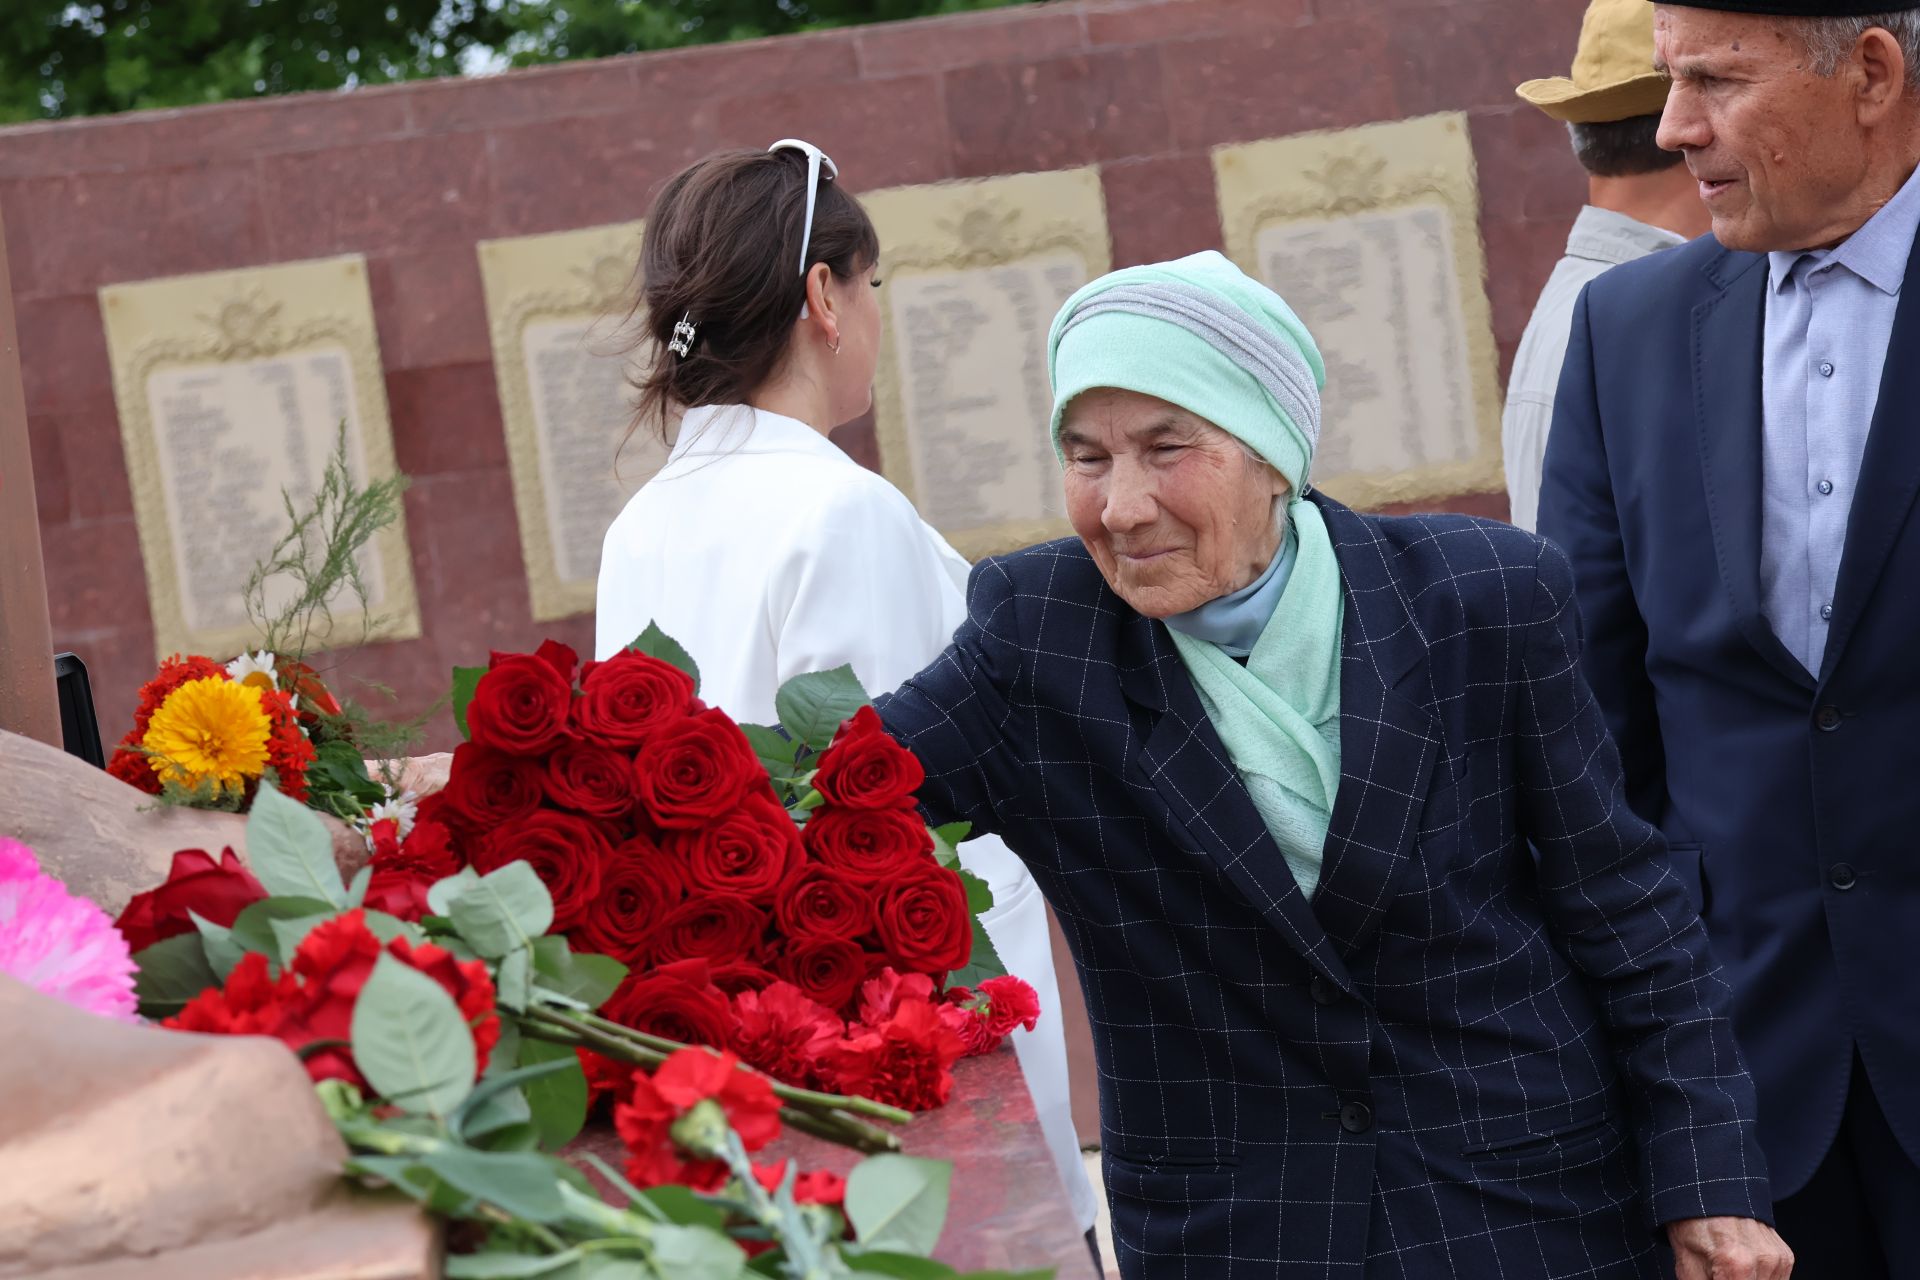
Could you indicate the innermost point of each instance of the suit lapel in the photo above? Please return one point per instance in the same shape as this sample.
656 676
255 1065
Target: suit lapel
1184 761
1728 334
1389 744
1889 473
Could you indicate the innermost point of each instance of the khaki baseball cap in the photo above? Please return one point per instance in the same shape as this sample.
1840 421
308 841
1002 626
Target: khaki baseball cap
1613 76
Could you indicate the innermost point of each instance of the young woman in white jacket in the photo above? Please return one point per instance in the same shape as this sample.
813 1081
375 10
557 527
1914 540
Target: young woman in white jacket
763 548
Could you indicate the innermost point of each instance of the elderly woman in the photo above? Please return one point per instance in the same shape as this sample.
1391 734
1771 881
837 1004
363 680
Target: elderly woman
1386 980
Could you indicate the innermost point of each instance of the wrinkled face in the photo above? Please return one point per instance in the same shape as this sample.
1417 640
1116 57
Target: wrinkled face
856 301
1778 151
1173 510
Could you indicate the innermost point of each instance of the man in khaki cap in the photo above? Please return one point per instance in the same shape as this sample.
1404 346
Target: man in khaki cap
1639 199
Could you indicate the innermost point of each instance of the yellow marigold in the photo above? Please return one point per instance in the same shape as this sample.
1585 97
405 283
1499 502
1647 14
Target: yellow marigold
209 730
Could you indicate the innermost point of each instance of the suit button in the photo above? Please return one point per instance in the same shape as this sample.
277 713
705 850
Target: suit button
1841 876
1322 991
1827 719
1356 1117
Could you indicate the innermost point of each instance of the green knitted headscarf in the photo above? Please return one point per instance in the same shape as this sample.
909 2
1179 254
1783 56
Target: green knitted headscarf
1200 334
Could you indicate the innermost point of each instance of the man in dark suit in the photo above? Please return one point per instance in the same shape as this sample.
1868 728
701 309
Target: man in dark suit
1732 471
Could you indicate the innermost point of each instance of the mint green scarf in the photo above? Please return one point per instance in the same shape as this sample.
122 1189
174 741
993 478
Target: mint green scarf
1201 334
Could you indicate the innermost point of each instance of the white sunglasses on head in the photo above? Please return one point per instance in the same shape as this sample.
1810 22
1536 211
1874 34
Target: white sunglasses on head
816 159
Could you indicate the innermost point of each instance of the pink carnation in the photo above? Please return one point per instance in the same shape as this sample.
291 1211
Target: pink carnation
60 945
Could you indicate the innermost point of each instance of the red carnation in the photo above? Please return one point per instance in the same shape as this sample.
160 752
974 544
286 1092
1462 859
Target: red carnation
870 845
822 905
969 1026
827 969
882 994
596 781
217 892
906 1061
684 1081
566 852
521 705
866 769
639 885
693 770
783 1032
751 852
1011 1003
624 699
924 924
712 926
820 1187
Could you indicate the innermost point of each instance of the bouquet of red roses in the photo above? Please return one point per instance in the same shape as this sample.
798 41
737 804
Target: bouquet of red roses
773 892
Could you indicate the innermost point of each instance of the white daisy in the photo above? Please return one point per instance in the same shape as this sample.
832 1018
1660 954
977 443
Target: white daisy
255 669
401 808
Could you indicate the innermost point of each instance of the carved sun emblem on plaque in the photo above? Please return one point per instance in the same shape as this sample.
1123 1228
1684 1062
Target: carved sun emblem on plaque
608 278
1351 181
244 325
986 231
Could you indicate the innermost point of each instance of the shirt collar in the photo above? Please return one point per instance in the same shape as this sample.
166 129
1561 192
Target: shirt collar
718 430
1235 621
1877 252
1602 235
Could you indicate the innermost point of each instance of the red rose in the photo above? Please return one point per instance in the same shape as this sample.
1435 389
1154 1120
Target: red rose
639 885
677 1001
488 789
692 1076
624 699
826 969
1010 1003
596 781
751 852
870 845
522 703
219 892
736 976
694 770
924 924
905 1062
822 905
402 878
565 851
783 1031
866 769
716 927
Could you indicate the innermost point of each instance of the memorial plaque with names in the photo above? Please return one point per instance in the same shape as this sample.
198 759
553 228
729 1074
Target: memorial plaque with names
556 305
974 273
1372 236
233 388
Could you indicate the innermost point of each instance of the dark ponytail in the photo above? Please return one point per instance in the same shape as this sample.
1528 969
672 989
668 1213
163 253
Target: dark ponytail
722 251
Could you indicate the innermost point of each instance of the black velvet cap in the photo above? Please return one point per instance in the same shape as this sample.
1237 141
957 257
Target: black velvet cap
1800 8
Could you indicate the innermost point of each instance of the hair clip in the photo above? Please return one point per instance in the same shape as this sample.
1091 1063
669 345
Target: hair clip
682 344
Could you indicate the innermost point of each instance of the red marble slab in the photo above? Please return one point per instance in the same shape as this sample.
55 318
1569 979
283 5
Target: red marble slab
1008 1209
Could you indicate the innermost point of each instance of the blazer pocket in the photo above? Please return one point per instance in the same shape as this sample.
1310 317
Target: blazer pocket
1689 862
1541 1151
1184 1158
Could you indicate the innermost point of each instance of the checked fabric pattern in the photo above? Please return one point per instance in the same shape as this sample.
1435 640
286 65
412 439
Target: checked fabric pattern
1494 1043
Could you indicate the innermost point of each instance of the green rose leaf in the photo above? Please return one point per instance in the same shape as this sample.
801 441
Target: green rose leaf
514 983
901 1266
586 979
813 707
984 962
898 1203
503 911
499 1110
387 928
171 973
440 897
289 850
656 643
222 952
253 927
465 681
558 1096
357 891
506 1266
523 1183
411 1042
696 1253
946 843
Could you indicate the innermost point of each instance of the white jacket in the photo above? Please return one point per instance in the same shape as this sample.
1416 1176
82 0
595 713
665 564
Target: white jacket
769 553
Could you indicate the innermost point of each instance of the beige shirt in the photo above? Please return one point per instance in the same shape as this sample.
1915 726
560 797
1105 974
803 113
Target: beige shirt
1600 239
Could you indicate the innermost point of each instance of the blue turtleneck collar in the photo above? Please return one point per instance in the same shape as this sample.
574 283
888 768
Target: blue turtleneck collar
1235 621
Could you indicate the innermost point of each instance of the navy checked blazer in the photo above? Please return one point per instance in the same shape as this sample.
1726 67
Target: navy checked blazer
1465 1056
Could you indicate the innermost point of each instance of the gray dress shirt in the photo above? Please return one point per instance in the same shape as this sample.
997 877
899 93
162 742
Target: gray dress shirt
1829 316
1600 239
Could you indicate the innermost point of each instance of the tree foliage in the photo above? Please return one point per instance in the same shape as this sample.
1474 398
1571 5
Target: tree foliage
63 58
